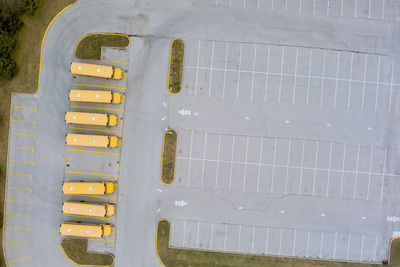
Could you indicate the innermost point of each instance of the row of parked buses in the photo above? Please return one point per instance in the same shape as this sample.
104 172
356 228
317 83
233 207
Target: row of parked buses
82 208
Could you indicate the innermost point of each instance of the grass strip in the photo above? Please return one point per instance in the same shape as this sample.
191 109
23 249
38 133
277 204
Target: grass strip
168 156
76 250
173 257
176 66
90 46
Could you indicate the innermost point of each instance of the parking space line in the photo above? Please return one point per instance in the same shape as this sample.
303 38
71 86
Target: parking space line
19 201
116 62
329 167
313 9
355 8
302 166
96 196
252 244
20 147
391 87
226 62
240 63
309 76
183 236
348 247
383 9
190 157
355 180
211 68
20 174
100 239
362 247
197 70
341 9
16 214
344 162
90 217
294 242
376 247
280 242
308 242
102 86
245 165
259 163
22 161
267 75
24 134
295 75
254 69
233 151
266 241
25 257
18 228
34 108
369 171
320 248
226 231
28 121
95 174
16 242
281 75
273 168
96 130
337 78
365 73
240 232
204 158
323 78
198 233
22 188
288 164
377 83
334 247
90 151
212 233
351 74
219 150
115 109
383 172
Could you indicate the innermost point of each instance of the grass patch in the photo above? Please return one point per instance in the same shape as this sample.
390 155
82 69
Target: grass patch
76 250
173 257
168 156
176 66
90 46
27 57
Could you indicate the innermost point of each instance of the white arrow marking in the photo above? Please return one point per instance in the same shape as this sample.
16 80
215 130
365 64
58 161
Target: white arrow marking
163 118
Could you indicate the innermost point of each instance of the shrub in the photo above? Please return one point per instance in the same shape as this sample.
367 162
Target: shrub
27 7
8 68
9 20
7 44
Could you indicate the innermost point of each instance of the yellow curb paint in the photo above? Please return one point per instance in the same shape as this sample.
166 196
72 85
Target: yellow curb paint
158 255
65 254
105 240
101 33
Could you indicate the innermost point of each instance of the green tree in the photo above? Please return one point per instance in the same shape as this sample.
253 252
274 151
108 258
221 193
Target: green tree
7 44
8 68
9 20
27 7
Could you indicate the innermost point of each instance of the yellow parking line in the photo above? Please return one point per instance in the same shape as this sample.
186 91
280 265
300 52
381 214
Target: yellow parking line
22 215
34 122
22 147
22 161
97 130
34 108
16 242
19 201
97 174
105 240
115 109
95 196
97 152
104 86
18 228
118 62
25 257
24 134
22 188
89 217
117 166
20 174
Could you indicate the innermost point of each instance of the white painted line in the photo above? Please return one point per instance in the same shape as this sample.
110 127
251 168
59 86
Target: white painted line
212 233
300 6
369 170
184 233
355 8
357 166
259 164
376 247
266 241
329 173
233 151
244 4
240 231
258 4
377 83
198 233
348 247
226 231
391 87
240 63
320 248
350 77
369 9
252 245
226 61
245 165
341 9
294 242
272 5
309 76
302 165
267 75
323 79
281 76
190 156
344 162
308 243
334 248
254 69
219 150
211 68
383 172
315 168
273 168
197 70
365 73
337 76
287 169
286 5
230 3
204 158
295 75
327 8
313 8
383 9
362 247
280 242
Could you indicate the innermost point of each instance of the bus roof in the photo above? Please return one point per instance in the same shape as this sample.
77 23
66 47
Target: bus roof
91 188
81 229
90 96
95 70
84 208
86 118
87 140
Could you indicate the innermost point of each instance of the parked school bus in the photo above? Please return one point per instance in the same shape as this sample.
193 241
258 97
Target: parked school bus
88 208
111 141
92 96
96 70
86 229
91 118
88 188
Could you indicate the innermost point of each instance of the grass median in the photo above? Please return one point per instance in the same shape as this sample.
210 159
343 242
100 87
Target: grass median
176 66
76 250
172 257
90 46
168 156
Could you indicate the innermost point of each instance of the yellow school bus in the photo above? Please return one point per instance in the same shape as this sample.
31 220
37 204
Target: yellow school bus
91 118
91 140
88 188
92 96
86 229
96 70
88 208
